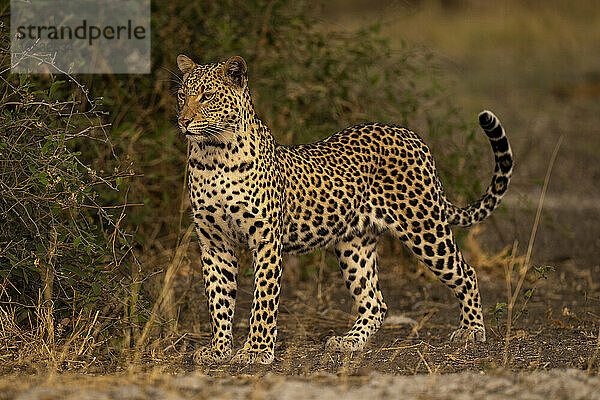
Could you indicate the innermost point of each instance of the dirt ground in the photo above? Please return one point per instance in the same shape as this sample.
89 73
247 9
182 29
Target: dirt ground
556 384
553 353
559 330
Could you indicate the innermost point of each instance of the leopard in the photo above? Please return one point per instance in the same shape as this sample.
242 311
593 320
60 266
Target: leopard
342 192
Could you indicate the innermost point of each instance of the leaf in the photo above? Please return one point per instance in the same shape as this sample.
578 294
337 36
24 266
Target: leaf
75 270
46 148
54 86
42 177
497 309
540 272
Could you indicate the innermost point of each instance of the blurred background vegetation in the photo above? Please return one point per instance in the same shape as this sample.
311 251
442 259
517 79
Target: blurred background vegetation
92 202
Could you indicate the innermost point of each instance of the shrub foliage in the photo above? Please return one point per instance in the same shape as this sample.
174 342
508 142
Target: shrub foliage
59 237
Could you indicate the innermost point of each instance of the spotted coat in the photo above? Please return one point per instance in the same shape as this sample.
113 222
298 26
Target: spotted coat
344 191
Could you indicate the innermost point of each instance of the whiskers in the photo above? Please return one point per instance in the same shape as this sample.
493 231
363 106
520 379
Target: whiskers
175 79
220 132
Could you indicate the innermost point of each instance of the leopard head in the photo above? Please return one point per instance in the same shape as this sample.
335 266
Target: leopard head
213 100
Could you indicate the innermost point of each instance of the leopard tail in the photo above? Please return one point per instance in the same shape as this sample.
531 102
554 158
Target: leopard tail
482 208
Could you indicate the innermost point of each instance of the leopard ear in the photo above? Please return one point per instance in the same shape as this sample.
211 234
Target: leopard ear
236 71
185 64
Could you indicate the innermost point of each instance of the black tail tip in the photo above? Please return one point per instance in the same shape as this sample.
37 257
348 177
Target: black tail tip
486 119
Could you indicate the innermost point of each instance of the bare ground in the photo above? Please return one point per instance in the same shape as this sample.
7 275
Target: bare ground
564 384
559 330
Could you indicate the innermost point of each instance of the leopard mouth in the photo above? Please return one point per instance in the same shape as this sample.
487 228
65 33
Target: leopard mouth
214 132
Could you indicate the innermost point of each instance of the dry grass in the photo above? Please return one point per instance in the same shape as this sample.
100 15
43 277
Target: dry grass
482 258
523 267
24 348
516 267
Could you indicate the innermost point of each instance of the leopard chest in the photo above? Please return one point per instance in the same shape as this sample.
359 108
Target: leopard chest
224 204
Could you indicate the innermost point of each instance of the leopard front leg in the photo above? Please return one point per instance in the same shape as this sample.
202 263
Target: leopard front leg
219 269
260 344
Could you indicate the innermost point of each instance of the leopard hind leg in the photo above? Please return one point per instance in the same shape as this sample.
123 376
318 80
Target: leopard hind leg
357 256
432 242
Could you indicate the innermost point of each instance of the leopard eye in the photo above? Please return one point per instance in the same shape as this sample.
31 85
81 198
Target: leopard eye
206 96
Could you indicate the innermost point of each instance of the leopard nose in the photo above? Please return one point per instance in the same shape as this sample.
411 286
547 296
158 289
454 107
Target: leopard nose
184 122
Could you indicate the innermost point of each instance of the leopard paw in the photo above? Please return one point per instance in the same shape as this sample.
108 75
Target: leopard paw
342 344
207 355
249 356
473 334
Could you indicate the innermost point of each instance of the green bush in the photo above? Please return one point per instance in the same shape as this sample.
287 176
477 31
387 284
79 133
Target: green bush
61 239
